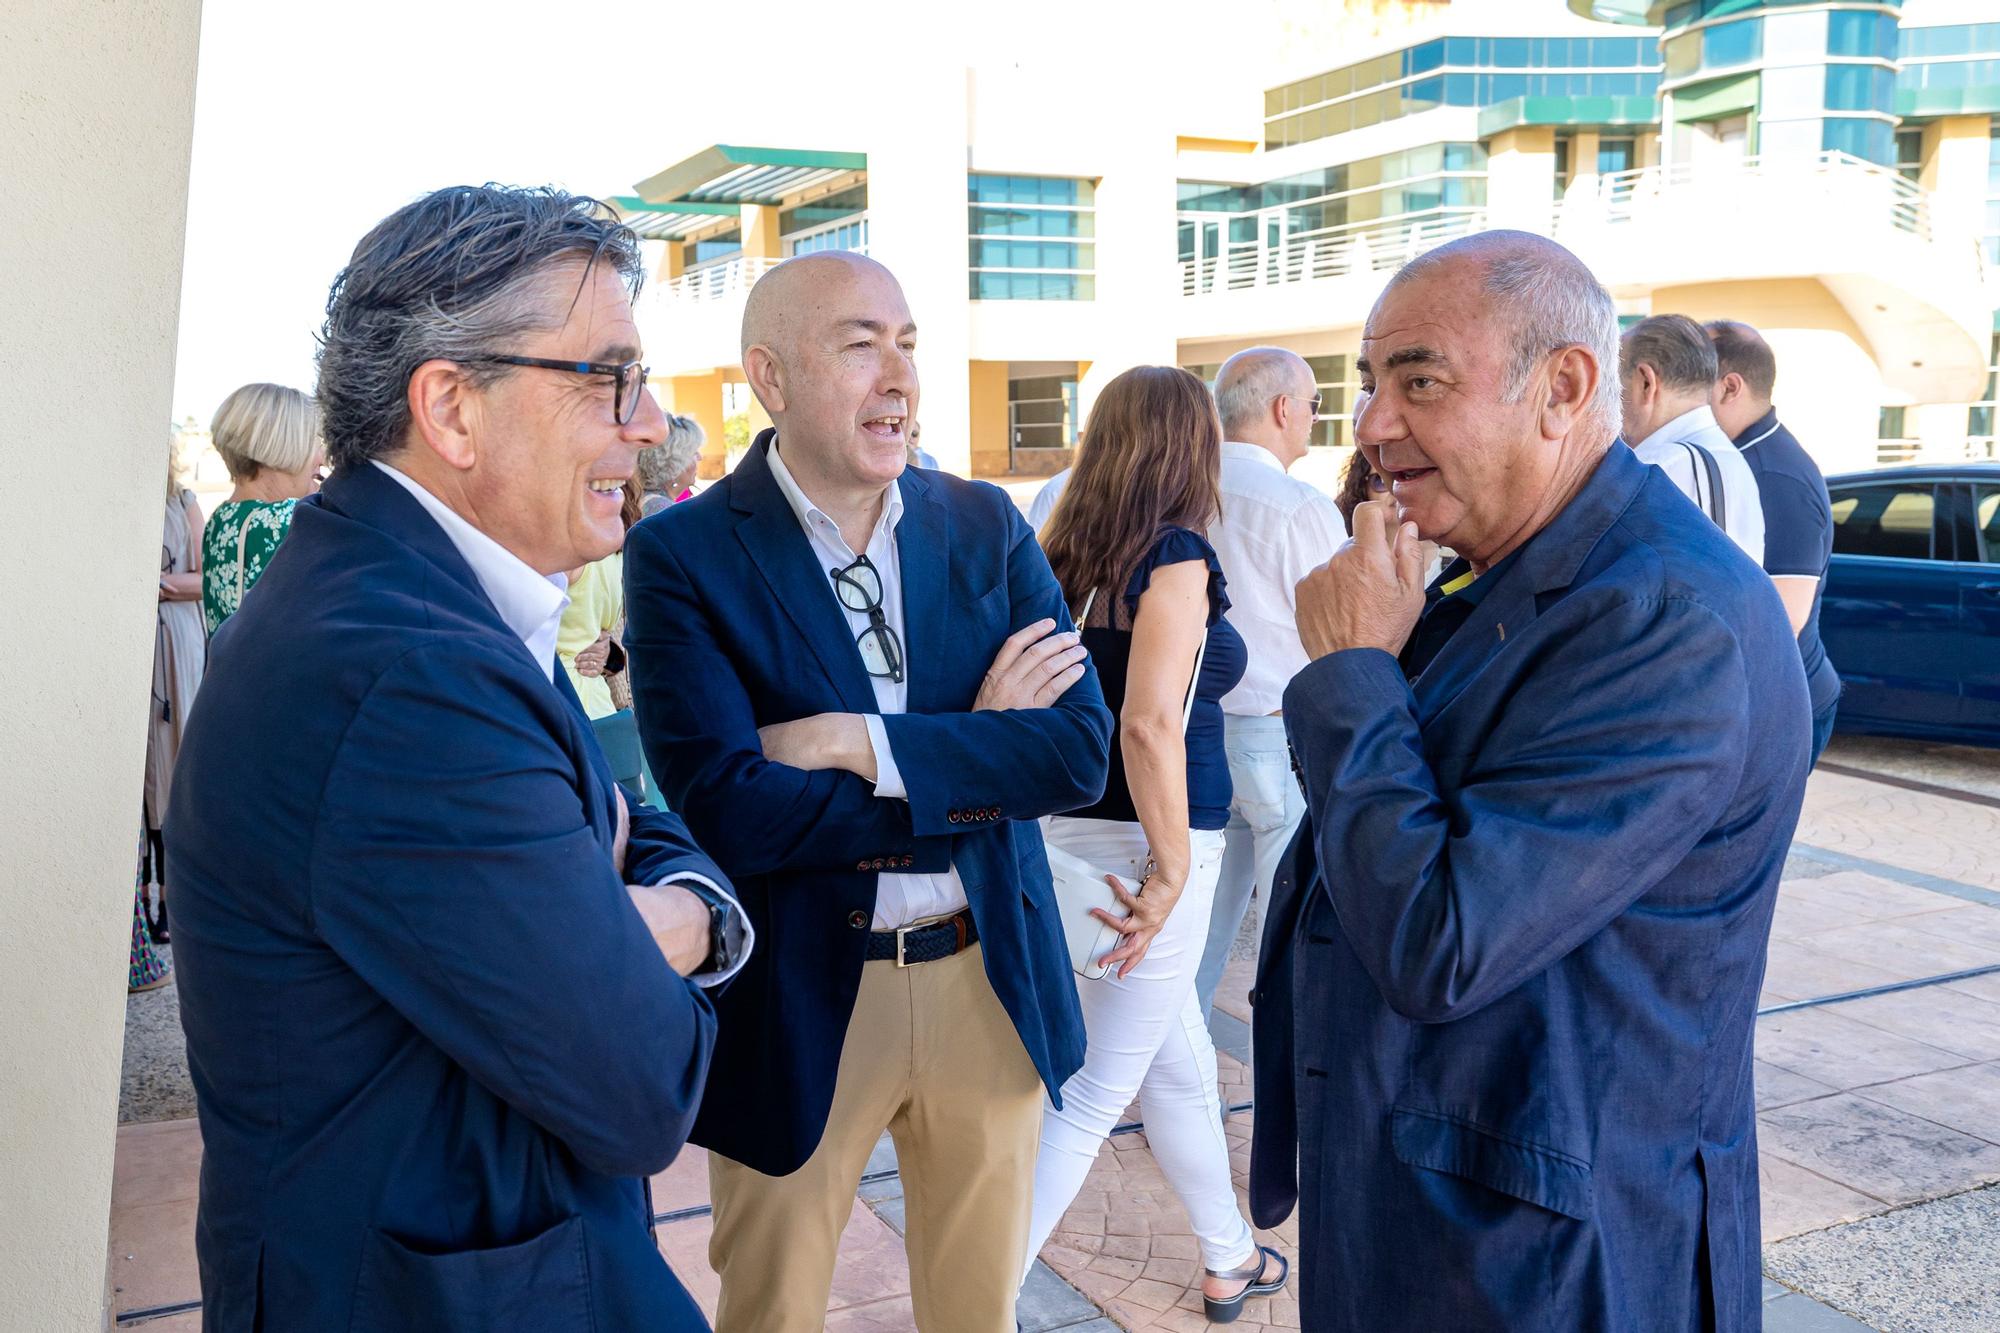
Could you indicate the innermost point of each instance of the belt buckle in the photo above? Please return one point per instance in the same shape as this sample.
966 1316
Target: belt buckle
902 932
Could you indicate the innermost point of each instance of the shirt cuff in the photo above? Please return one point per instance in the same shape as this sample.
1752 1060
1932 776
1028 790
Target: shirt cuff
737 930
888 778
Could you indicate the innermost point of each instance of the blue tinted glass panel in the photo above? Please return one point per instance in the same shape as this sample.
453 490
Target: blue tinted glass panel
1512 52
1461 51
1423 59
1873 140
1959 39
1614 155
1731 43
1461 89
1850 88
1504 87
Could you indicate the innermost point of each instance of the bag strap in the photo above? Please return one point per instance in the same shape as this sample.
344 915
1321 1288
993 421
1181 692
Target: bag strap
1200 655
1715 506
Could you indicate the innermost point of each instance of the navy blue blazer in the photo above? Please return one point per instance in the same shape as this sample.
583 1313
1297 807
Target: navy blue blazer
731 624
1510 971
434 1049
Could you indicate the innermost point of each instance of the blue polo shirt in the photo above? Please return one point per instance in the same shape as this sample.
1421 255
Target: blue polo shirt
1798 532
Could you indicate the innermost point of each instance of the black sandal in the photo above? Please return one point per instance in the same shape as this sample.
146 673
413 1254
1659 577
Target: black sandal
1225 1311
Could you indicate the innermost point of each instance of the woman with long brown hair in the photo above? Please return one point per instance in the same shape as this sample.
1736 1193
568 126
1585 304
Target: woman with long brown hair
1126 542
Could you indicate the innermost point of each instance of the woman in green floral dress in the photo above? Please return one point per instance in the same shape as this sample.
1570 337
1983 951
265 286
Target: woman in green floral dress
268 436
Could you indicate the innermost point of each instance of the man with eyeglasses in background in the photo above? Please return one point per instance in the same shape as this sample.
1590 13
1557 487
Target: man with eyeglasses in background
860 686
1272 531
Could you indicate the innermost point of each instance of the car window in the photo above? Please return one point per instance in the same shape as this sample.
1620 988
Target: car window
1884 520
1986 515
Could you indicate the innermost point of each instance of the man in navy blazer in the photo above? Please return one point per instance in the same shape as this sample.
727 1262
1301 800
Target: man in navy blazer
431 959
859 684
1509 979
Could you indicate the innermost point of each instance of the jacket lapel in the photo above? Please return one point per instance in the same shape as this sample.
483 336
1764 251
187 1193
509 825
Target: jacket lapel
778 546
1549 561
923 555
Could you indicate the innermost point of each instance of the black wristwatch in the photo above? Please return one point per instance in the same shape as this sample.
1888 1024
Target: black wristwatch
719 907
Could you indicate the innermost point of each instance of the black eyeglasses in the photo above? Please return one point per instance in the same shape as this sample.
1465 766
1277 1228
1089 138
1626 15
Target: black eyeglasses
628 381
859 587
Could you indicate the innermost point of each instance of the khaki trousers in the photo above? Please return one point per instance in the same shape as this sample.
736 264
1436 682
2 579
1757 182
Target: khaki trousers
931 1057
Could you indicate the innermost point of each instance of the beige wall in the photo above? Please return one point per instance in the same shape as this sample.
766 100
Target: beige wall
1829 385
96 100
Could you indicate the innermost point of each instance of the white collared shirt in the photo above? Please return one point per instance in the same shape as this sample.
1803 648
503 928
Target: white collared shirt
1273 530
1742 509
899 899
531 605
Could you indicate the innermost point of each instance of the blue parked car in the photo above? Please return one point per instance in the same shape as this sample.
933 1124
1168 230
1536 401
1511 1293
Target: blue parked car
1911 615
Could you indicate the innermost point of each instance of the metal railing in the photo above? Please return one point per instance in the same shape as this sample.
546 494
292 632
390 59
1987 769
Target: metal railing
1805 184
720 281
1328 252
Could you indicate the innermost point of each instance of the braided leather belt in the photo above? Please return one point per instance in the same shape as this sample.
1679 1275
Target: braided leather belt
909 945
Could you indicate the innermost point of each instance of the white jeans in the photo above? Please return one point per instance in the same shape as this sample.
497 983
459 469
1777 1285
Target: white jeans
1265 808
1146 1036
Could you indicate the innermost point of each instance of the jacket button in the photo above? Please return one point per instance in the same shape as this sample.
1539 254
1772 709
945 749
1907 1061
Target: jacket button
860 865
909 861
858 920
953 817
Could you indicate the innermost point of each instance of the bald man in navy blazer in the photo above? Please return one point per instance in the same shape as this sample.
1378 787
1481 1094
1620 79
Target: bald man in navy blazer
1509 980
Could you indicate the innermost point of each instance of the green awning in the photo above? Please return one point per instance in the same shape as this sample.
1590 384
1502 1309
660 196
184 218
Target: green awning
1518 111
1713 101
1929 103
732 174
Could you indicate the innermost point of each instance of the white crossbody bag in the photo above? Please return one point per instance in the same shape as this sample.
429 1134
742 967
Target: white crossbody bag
1079 884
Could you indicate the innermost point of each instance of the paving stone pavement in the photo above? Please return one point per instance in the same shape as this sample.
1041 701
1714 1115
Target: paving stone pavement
1879 1118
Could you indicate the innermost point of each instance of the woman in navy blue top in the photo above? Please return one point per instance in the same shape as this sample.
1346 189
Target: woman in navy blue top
1126 543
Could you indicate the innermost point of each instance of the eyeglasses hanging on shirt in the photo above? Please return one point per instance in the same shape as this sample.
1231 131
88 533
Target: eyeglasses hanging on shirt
859 587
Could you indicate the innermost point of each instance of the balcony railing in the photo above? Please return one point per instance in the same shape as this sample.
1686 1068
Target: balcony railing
1329 252
1805 185
721 281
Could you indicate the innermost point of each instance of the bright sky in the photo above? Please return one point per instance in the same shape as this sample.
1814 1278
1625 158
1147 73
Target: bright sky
314 121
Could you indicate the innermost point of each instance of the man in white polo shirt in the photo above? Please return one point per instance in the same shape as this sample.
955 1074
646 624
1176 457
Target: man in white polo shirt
1667 370
1273 530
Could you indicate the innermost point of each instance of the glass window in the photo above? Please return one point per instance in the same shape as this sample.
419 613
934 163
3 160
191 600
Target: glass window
1860 33
1009 217
1910 154
1511 53
1423 59
1986 514
1461 51
1683 55
1736 43
1893 521
1616 155
1859 88
1870 140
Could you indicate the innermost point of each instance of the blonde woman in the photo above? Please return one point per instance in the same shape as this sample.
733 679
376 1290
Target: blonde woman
667 470
268 436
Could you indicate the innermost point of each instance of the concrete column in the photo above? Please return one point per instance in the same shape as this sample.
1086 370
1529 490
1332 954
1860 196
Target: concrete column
95 93
1940 429
760 232
1954 173
673 262
917 227
987 418
1138 267
1520 178
700 397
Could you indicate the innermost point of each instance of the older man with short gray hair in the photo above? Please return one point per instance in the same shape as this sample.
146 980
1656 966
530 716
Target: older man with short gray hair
1510 968
1668 372
1273 529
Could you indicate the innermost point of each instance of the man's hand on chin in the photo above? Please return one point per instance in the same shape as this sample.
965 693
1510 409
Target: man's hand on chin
1372 591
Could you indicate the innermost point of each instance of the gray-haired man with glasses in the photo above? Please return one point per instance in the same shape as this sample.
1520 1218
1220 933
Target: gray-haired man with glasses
859 685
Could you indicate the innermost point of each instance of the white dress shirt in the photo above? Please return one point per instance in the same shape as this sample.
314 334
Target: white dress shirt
1274 529
1045 499
1742 509
531 605
899 899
